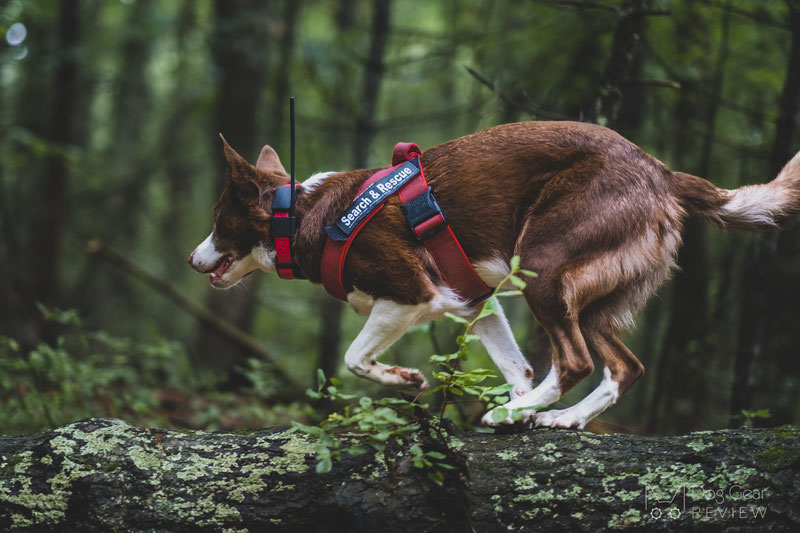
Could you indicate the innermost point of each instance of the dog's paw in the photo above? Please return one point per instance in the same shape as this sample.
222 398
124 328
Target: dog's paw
520 390
523 419
406 378
559 418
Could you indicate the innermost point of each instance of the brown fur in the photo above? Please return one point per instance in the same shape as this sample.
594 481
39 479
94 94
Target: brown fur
598 219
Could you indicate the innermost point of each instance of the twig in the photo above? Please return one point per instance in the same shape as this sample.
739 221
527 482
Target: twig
223 326
655 83
580 4
583 4
752 15
533 110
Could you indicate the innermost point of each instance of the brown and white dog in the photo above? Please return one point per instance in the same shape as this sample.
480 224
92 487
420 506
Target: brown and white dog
598 219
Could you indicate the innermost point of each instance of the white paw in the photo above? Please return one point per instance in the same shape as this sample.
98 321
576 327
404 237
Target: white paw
399 377
521 390
524 417
559 418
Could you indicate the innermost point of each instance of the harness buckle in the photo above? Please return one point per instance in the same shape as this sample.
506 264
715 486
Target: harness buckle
283 225
424 215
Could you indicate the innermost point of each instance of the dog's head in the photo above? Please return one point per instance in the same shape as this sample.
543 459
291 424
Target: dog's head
239 243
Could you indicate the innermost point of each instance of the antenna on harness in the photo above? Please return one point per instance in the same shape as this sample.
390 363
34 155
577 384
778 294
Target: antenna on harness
291 129
284 223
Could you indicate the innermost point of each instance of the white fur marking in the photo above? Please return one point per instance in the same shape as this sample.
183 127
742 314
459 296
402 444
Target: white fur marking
315 180
387 322
360 301
206 254
756 204
264 257
492 271
600 399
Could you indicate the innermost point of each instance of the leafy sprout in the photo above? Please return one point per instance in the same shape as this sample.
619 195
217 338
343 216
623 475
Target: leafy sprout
388 423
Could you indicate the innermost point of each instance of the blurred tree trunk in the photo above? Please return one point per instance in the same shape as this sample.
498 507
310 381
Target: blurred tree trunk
283 77
177 134
760 287
18 312
60 128
240 47
365 131
683 360
49 232
129 114
627 35
371 83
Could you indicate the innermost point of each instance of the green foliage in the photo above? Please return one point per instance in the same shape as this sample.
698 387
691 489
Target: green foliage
92 373
379 423
388 423
454 381
749 417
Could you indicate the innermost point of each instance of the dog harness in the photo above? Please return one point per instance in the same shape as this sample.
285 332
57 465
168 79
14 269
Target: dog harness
406 179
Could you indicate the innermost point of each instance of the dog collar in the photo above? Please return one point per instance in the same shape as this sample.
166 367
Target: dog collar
282 231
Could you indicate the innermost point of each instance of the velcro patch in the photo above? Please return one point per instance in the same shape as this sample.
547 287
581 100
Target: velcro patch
372 197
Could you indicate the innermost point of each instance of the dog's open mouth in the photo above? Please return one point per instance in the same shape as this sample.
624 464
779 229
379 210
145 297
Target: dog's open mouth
220 268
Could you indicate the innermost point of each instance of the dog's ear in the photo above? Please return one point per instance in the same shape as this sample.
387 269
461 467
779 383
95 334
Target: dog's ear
268 161
242 174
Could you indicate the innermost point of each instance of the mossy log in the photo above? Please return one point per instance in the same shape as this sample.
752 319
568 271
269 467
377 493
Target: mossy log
105 475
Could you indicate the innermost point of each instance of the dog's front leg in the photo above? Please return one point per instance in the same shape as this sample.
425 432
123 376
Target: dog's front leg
387 322
497 338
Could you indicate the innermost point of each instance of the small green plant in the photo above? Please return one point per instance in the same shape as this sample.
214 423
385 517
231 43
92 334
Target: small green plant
456 382
388 423
750 416
384 425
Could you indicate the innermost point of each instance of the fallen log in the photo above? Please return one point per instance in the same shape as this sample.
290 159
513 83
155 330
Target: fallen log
105 475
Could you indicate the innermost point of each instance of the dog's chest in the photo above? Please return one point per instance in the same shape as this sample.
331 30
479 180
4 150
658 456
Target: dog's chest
361 302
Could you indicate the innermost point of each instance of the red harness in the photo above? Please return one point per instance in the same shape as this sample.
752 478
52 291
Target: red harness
426 221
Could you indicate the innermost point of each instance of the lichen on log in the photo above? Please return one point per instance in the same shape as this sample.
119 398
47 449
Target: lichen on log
103 474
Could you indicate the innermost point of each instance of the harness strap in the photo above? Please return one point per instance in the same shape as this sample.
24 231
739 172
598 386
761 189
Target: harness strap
428 224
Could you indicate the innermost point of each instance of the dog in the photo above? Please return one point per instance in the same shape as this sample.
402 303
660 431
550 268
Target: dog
598 219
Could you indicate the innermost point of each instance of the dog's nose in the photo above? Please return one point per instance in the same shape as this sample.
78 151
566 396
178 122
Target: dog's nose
191 258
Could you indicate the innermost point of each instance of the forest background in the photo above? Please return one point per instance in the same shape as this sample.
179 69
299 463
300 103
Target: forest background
110 162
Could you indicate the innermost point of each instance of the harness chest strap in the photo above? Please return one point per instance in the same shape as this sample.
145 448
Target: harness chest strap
425 218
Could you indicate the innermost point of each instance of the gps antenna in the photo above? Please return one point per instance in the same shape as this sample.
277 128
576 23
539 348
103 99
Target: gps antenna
291 129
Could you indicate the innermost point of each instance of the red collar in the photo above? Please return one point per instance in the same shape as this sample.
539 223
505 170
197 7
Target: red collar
282 230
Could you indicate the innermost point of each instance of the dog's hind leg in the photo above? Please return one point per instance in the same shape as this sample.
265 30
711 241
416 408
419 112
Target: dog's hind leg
600 322
387 322
620 370
499 342
571 363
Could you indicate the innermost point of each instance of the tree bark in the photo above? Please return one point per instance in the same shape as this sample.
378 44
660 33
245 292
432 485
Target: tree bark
102 475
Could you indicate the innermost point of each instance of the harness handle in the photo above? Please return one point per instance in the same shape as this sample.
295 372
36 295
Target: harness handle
405 151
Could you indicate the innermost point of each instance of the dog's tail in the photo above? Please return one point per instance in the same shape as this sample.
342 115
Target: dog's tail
751 207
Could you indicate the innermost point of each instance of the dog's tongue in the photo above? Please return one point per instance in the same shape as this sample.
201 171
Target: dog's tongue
217 274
